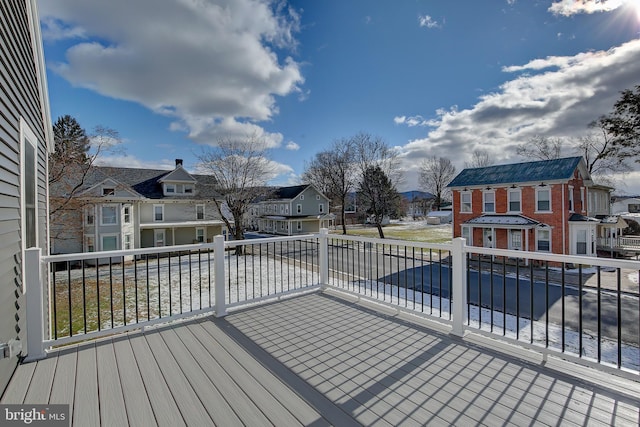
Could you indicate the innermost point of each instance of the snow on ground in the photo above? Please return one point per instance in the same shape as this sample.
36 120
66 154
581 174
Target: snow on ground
155 288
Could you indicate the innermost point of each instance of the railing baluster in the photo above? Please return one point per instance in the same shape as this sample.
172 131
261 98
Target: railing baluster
159 284
135 282
562 278
619 313
599 308
531 308
170 280
84 296
68 265
98 292
580 330
111 288
491 306
517 298
546 298
147 294
124 294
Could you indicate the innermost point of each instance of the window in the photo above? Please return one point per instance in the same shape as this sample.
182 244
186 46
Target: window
200 235
90 218
108 191
317 197
109 242
321 208
126 213
299 225
127 241
281 209
515 239
487 237
543 240
109 215
179 188
466 233
169 188
515 196
199 212
298 208
91 245
158 212
302 197
282 225
582 198
465 202
188 189
489 201
29 171
633 207
570 198
543 200
581 242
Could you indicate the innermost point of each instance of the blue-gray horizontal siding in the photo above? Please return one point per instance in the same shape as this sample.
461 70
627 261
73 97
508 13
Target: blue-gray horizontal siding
19 98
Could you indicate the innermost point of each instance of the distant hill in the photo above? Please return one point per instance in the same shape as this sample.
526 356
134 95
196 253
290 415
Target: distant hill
416 195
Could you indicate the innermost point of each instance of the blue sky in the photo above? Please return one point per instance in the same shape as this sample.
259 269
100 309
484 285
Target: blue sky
432 78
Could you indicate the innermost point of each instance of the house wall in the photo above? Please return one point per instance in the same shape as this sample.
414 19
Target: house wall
22 96
177 211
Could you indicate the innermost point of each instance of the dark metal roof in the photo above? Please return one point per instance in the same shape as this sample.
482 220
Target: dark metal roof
540 171
288 192
146 182
581 218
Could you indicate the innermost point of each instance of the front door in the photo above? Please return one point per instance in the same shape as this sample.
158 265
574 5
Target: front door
159 238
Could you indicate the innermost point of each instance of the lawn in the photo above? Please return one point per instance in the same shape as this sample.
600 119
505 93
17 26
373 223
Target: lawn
417 231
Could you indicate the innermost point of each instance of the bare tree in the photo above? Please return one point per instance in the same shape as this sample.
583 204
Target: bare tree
479 159
240 169
75 156
435 174
373 152
541 148
332 172
601 154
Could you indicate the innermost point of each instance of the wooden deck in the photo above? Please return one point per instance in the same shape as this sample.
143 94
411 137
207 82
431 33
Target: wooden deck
312 360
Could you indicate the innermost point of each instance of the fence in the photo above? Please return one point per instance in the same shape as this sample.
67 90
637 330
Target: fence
581 307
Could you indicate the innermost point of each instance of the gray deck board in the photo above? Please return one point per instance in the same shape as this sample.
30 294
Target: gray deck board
214 402
183 393
247 411
160 397
86 407
312 360
41 381
64 380
112 408
139 410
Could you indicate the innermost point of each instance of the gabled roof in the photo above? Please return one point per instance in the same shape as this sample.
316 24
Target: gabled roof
178 175
539 171
288 192
146 182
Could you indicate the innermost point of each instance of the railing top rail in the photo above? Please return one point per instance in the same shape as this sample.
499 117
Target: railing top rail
246 242
126 252
575 259
394 242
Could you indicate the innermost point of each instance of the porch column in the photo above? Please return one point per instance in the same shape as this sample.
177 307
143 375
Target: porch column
35 310
458 286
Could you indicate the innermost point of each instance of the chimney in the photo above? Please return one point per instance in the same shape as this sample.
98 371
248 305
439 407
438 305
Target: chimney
178 162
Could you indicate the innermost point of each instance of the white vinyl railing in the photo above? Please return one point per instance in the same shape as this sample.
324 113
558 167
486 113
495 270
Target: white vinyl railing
584 308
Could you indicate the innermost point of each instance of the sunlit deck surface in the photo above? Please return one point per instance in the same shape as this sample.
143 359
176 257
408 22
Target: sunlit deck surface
313 360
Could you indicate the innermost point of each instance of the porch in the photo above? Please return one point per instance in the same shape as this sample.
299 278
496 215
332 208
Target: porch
317 359
332 330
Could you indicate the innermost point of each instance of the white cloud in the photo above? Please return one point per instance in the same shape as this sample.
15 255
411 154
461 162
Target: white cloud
574 7
412 121
125 161
428 21
559 98
292 146
210 65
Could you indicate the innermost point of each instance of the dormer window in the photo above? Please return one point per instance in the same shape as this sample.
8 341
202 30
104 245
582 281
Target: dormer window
108 191
170 188
188 189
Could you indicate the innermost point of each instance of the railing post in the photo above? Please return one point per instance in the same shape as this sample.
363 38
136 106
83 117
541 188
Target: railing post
458 286
218 269
35 312
324 258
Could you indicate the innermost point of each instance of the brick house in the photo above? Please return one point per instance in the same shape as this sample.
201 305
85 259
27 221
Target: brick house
547 206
